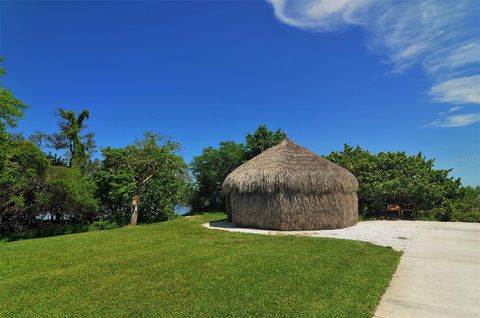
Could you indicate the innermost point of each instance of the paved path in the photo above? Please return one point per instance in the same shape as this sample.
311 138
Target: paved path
438 275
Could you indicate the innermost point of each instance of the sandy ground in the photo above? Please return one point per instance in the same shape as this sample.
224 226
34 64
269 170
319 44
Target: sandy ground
396 234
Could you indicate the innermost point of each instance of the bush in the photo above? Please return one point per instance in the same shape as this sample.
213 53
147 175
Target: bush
472 216
397 178
103 225
45 230
71 195
464 210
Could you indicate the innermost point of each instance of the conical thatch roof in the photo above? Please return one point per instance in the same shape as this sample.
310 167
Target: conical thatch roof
287 166
288 187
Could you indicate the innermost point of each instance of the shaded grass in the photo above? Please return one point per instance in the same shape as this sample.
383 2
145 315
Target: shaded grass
45 230
180 269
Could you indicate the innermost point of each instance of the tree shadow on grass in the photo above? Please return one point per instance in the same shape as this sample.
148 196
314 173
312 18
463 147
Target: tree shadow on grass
45 230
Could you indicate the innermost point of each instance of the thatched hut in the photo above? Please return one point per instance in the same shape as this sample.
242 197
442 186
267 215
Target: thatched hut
288 187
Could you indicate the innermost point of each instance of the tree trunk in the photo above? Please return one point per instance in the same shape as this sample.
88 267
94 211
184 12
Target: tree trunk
134 209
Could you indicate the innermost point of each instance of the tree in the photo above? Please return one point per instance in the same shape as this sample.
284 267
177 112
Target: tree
261 140
210 170
395 177
70 195
79 147
467 209
11 110
145 170
212 167
21 186
71 126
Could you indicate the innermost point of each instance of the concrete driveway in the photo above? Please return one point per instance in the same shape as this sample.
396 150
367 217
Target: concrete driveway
438 275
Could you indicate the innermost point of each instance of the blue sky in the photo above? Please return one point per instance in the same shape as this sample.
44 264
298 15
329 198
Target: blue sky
384 75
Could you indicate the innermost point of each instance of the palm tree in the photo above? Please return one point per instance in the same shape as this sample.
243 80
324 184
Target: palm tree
71 127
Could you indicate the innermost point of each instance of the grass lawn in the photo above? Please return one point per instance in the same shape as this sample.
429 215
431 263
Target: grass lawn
180 269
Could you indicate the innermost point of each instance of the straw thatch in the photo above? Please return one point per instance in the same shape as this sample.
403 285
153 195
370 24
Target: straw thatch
288 187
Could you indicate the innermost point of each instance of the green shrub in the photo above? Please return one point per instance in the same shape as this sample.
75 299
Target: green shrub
470 216
45 230
103 225
453 211
431 215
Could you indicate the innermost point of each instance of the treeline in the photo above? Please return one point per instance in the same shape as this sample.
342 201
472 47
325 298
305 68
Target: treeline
409 181
142 182
51 183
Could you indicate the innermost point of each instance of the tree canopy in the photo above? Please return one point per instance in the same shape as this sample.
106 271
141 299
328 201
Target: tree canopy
214 164
261 140
147 178
11 111
397 178
22 180
79 147
210 169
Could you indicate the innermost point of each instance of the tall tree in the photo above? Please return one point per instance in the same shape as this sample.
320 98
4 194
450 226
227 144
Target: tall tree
262 139
80 147
11 110
21 186
210 169
71 126
149 167
70 195
214 164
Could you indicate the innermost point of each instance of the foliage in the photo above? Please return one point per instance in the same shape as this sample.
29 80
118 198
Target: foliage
31 190
471 198
56 160
210 169
397 178
21 185
70 126
160 198
179 269
261 140
11 110
463 209
115 185
80 147
70 195
103 225
146 175
45 229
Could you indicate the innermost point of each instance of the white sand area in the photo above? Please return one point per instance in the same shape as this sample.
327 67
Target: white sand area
397 234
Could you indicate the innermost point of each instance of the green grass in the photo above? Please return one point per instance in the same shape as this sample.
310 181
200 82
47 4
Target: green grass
180 269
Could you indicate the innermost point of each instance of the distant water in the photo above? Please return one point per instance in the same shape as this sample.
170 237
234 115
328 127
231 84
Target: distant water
182 209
